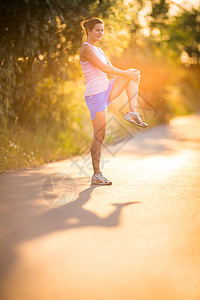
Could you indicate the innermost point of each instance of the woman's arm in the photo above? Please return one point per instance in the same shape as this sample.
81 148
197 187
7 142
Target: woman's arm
89 55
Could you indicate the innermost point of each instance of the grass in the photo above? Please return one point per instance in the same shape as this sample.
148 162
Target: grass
21 148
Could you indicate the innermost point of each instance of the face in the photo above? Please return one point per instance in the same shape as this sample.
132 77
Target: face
97 32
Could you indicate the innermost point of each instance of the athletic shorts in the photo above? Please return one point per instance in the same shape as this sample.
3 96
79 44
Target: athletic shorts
99 102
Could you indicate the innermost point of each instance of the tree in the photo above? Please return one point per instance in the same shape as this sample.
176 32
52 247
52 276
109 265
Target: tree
176 34
39 39
29 28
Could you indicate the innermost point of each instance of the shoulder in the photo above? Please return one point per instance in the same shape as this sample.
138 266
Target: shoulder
86 49
83 48
85 52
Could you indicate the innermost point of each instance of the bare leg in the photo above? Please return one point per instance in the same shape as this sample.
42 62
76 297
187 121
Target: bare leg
121 83
118 87
99 125
132 93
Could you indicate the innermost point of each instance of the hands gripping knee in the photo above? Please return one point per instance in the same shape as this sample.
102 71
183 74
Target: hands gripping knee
134 75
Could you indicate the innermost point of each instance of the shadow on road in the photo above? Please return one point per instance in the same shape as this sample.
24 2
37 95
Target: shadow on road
25 216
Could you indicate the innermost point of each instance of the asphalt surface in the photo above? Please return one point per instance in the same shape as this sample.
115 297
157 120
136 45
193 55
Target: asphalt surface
137 239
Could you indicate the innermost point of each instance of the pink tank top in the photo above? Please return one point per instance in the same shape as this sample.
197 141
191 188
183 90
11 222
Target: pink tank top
96 81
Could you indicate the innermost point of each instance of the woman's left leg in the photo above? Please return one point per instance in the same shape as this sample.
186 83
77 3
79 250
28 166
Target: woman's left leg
99 126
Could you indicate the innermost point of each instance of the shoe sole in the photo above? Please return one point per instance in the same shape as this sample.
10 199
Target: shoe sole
98 183
131 121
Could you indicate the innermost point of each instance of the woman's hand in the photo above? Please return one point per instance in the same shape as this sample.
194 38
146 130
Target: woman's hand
134 75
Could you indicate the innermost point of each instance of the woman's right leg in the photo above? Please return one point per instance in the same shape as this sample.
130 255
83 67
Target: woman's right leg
121 83
99 126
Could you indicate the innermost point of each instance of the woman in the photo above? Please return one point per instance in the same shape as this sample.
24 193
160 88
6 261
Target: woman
100 92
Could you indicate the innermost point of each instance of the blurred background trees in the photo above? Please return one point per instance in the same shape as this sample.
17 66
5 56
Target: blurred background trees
42 110
39 40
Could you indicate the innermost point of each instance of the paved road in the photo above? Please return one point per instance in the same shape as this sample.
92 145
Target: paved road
137 239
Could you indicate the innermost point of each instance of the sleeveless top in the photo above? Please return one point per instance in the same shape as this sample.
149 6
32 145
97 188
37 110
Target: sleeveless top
96 81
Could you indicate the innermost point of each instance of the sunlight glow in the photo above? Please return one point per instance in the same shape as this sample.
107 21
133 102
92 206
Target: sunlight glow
161 166
174 9
41 57
146 32
155 32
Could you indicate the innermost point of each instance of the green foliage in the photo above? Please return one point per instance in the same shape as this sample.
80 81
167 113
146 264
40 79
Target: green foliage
39 39
185 33
54 131
175 34
31 28
160 10
39 42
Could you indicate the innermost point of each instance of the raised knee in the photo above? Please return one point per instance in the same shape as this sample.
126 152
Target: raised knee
125 81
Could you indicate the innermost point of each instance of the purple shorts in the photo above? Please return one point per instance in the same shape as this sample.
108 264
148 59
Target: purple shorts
100 101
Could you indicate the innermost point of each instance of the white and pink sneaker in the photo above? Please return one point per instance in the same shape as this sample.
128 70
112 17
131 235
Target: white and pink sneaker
99 179
134 117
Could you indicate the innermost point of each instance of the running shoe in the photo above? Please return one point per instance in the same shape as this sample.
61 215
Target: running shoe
99 179
134 117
